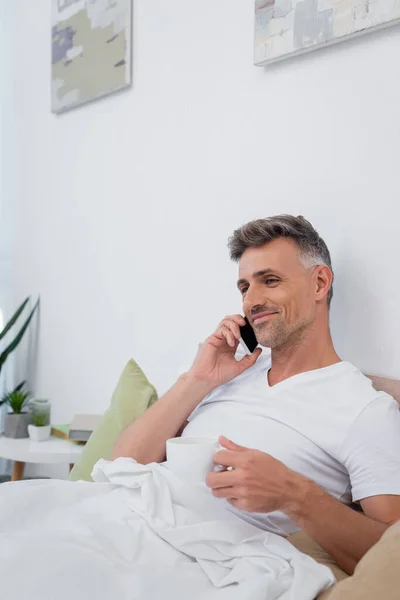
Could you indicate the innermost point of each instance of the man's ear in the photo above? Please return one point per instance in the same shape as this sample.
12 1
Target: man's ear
323 282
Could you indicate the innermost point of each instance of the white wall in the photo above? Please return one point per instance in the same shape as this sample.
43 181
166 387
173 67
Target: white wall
125 205
7 158
7 203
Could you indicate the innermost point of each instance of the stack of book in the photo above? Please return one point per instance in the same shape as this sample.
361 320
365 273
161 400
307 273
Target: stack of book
79 431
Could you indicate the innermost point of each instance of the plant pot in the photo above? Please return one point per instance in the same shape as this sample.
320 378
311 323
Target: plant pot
39 434
16 426
40 410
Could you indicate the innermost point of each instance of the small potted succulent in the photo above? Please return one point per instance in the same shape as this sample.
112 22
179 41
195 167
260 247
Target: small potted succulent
18 417
39 429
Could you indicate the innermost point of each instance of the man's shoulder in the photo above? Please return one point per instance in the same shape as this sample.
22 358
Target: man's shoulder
355 385
347 397
335 405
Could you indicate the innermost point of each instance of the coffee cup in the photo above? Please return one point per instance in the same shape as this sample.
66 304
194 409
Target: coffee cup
191 458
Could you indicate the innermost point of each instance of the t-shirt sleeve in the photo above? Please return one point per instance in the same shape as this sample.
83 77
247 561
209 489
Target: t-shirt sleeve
371 450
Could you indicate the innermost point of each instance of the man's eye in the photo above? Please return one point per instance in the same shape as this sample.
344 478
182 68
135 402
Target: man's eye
244 290
271 281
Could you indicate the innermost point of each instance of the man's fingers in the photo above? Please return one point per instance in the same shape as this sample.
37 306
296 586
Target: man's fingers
233 323
229 458
223 335
236 318
225 492
229 329
229 445
232 326
221 480
228 335
236 502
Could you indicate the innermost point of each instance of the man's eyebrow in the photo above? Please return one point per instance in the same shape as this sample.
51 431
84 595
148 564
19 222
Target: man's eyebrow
257 275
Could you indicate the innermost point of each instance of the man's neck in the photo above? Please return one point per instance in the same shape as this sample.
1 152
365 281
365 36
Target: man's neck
314 350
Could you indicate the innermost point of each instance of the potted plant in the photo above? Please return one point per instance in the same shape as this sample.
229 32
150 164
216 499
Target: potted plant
16 421
39 429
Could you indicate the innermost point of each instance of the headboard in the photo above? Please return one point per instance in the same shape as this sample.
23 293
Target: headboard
385 384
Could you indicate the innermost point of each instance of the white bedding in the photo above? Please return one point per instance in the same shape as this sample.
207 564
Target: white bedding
141 533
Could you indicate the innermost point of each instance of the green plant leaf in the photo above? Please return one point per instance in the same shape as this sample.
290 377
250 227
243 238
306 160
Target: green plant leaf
17 389
13 319
40 420
11 347
19 386
16 401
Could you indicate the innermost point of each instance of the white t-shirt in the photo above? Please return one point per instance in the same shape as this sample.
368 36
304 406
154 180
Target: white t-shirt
328 424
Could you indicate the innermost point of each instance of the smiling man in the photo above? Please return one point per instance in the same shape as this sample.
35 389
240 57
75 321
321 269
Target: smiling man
309 433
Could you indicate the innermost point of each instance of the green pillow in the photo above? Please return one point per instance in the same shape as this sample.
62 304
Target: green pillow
132 396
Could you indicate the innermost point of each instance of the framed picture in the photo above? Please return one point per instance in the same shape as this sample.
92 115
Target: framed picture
91 50
285 28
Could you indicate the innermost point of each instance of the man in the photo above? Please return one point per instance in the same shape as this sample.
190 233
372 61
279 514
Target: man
314 435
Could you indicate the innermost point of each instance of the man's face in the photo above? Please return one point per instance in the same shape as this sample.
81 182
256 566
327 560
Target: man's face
278 292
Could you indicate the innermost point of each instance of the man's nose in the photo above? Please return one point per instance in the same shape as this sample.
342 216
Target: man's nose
253 300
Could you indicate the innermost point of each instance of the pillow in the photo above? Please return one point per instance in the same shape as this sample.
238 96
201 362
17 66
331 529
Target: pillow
306 544
132 396
377 575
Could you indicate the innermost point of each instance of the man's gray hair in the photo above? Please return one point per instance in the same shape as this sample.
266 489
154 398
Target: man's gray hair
313 250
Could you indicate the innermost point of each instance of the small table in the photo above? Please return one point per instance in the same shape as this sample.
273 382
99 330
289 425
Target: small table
24 450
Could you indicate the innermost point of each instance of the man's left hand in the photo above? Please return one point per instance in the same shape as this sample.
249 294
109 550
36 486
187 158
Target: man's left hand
256 482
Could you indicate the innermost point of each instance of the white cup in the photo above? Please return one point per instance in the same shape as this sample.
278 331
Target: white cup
191 458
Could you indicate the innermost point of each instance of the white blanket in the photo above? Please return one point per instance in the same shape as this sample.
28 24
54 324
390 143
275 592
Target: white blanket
141 533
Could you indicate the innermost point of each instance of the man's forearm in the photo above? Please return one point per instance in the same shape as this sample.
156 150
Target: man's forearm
144 440
343 532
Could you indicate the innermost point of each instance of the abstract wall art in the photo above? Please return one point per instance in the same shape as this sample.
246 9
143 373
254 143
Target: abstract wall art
285 28
91 50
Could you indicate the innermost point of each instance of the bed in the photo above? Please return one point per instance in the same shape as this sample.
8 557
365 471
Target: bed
376 576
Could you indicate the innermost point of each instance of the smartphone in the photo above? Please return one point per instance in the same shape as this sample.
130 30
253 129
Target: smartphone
248 337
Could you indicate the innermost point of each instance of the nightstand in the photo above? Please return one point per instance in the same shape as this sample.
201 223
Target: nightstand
24 450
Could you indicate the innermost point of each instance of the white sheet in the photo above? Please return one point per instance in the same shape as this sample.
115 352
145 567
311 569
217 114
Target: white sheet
140 533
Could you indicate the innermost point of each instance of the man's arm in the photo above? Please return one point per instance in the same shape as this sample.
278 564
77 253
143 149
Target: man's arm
260 483
343 532
215 364
145 439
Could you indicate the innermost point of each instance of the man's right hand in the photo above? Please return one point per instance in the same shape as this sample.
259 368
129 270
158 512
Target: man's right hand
215 362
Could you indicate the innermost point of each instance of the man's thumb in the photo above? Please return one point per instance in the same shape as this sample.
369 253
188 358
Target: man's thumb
250 359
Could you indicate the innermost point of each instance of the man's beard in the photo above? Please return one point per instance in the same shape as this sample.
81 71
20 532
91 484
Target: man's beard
276 334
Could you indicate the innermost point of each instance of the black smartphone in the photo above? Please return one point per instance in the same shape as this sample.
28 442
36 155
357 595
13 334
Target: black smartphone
248 337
